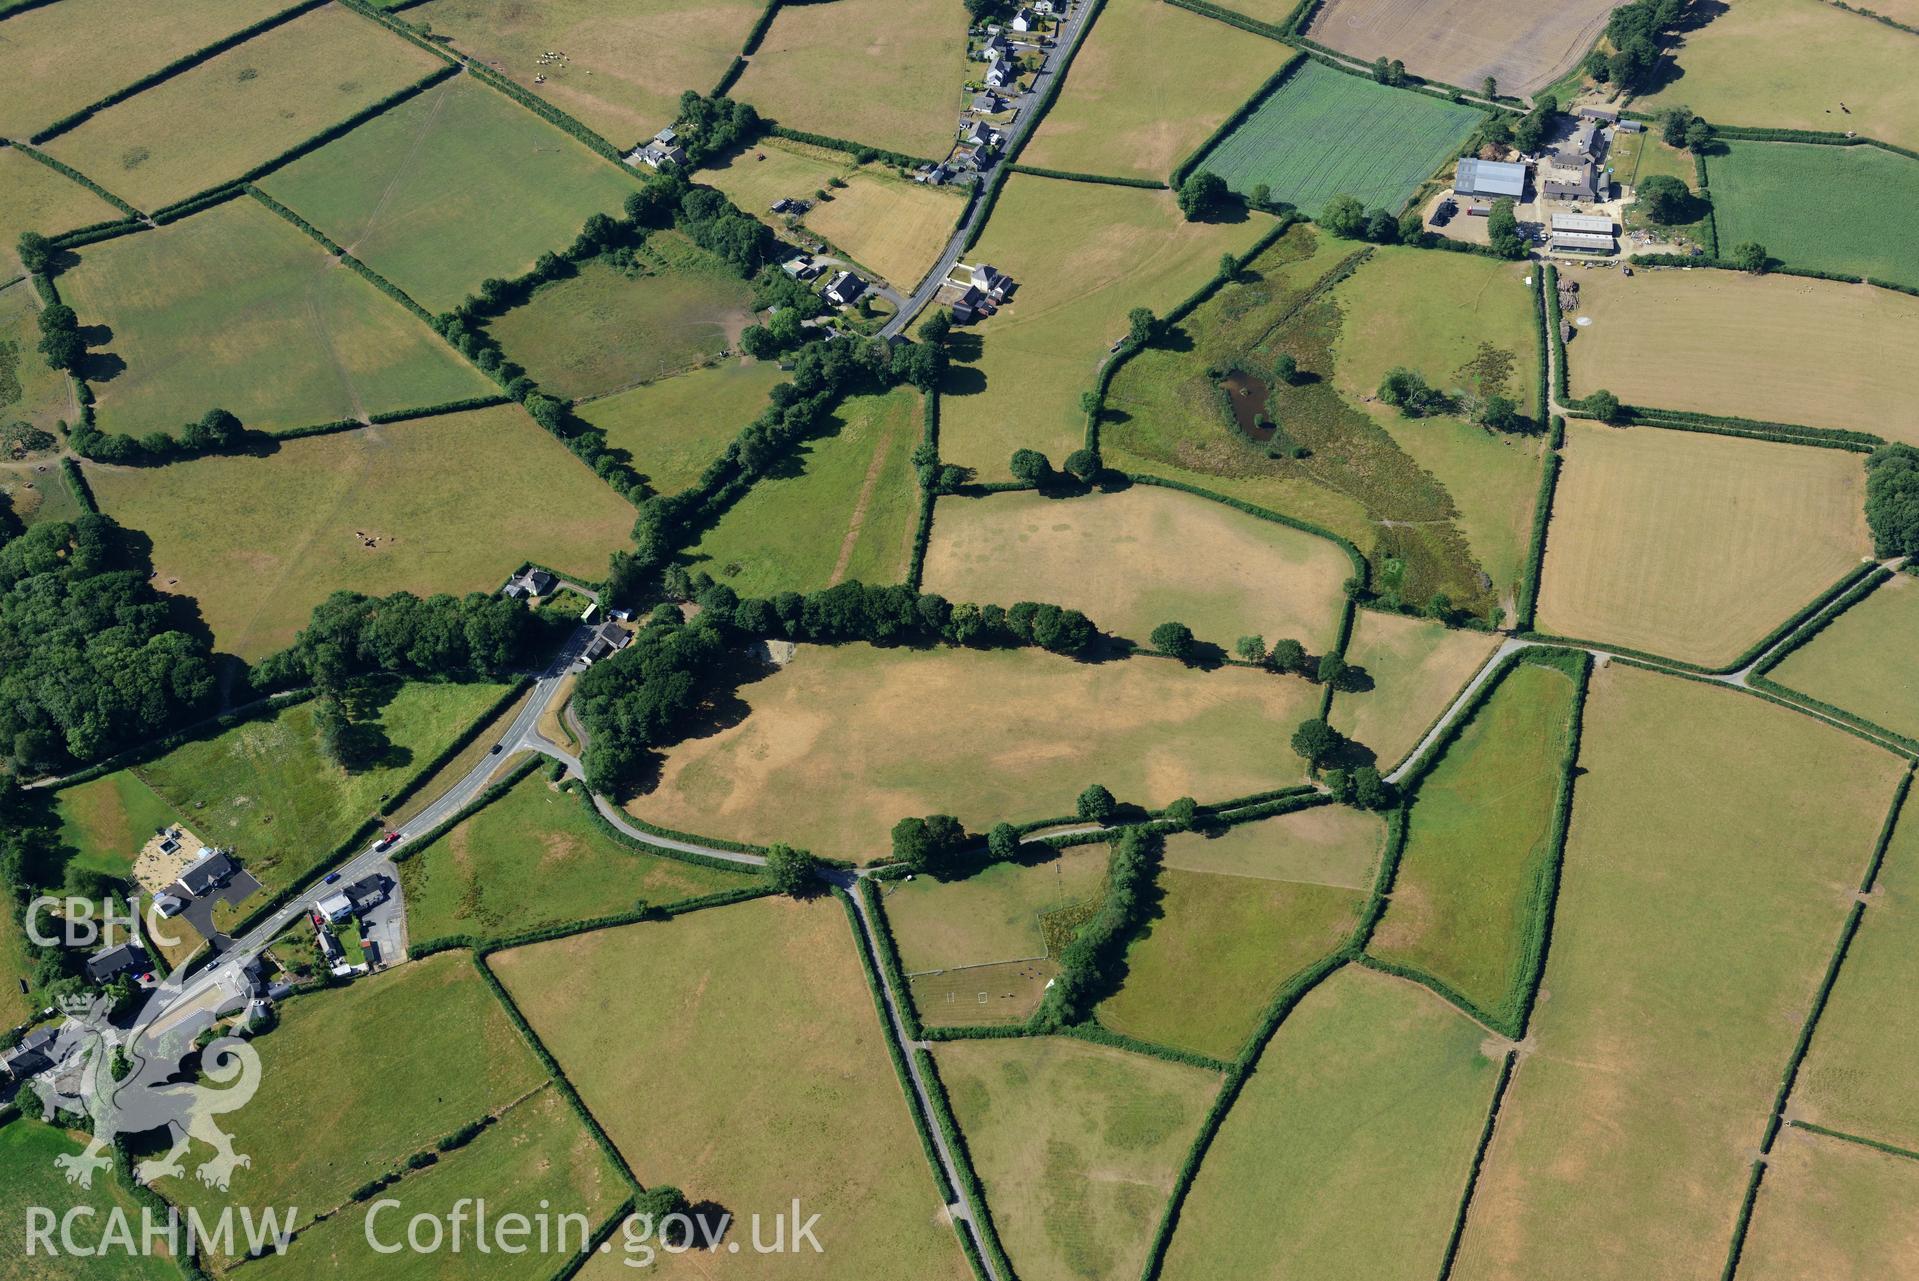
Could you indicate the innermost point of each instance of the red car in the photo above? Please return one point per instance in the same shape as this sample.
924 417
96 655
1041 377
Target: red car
387 840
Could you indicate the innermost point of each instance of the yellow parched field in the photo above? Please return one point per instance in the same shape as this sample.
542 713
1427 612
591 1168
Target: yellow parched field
448 504
214 122
1833 1209
1416 667
1135 559
1083 257
885 223
1150 83
1693 546
1524 47
845 740
886 72
1774 348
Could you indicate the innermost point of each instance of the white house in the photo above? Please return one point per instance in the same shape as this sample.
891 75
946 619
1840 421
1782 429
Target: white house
1024 20
335 907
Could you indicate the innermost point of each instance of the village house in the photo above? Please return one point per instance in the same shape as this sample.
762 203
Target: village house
33 1055
1003 72
607 638
122 958
1052 8
991 281
211 870
1024 20
534 582
844 289
662 150
995 47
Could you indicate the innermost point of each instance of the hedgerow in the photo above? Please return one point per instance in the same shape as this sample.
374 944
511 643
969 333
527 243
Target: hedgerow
547 111
77 482
888 947
459 743
1098 1034
1086 963
1479 1162
1528 602
1899 795
1804 706
1862 589
1232 19
1541 348
600 821
831 143
1070 175
346 259
67 170
963 1163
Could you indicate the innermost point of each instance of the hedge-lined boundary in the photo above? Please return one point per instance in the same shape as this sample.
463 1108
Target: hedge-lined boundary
94 233
152 1203
77 482
345 259
1539 934
1803 707
1326 56
1036 114
900 158
1705 193
493 792
975 1192
923 533
1562 377
1293 62
1095 1033
8 11
185 62
551 114
986 203
1888 1148
588 925
1360 568
1528 603
661 851
1542 351
1899 795
385 16
1232 18
465 739
894 1050
1753 428
603 1236
1074 175
211 727
888 948
66 170
1744 1221
1847 933
1824 138
761 25
717 842
1799 639
1479 1162
1773 268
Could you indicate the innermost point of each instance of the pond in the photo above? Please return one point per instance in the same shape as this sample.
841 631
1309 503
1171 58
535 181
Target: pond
1247 395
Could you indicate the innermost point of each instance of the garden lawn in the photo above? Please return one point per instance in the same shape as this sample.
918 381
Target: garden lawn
1467 324
889 225
1828 1208
1416 669
37 197
539 1160
29 1177
1324 133
62 59
1856 1077
1203 970
844 505
1345 1153
1525 47
266 789
534 858
1790 64
108 820
1150 83
600 332
1858 662
911 60
1141 557
431 495
1083 256
1694 546
757 1023
1076 1145
1758 191
242 108
1723 342
843 740
452 186
624 67
414 1053
1468 902
675 427
1716 842
234 308
1331 845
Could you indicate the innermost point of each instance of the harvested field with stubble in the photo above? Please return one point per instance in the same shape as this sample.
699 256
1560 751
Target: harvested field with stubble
1138 558
623 68
1715 845
756 1022
296 525
1417 668
37 197
235 308
1694 546
1345 1153
1076 1145
1833 1209
1150 83
674 427
1461 42
61 58
887 224
1758 193
417 192
1724 342
1860 661
210 124
1324 133
1083 257
911 60
842 741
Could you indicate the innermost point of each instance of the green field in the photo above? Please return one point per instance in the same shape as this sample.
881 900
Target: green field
265 788
1322 845
599 331
235 308
1325 133
675 427
533 858
1759 189
30 392
1416 668
219 119
1715 844
37 197
28 1177
447 504
1828 1208
412 1055
421 193
1345 1153
537 1159
1468 901
735 1053
107 820
1202 971
844 505
1076 1146
1857 1076
1857 662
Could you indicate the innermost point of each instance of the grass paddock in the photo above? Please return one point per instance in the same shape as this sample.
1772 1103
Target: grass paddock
674 427
1858 662
1417 668
1758 191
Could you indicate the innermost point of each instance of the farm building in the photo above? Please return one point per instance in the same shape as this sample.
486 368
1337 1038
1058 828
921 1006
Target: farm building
1604 114
1569 178
1490 178
1589 243
1589 224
